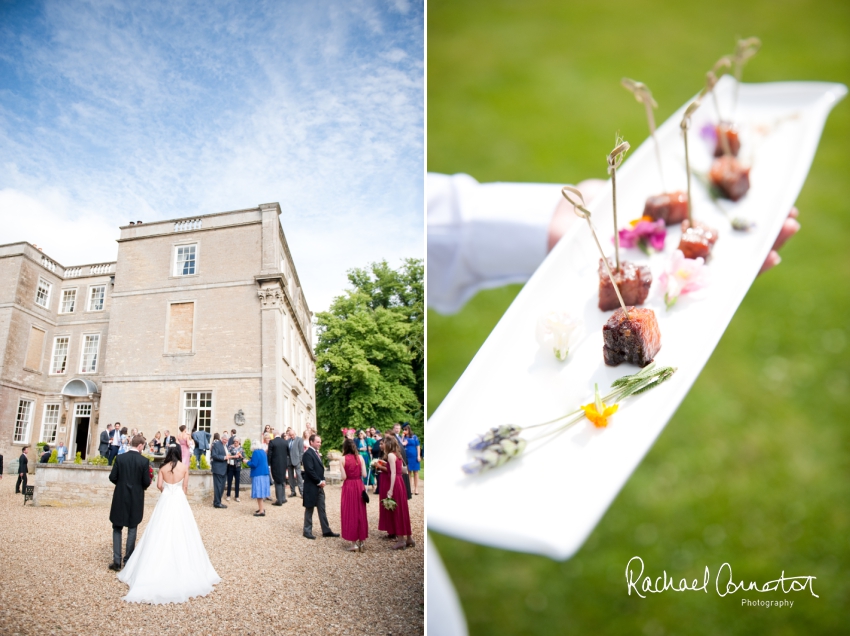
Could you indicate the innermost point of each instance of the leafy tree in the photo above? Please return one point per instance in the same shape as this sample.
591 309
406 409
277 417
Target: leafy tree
370 354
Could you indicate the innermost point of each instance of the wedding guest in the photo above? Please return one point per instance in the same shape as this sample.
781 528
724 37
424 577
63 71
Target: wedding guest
278 464
363 449
114 442
61 452
22 470
414 458
399 519
377 453
202 444
183 440
382 488
259 465
353 520
168 441
314 489
218 455
1 467
156 443
103 448
125 441
296 452
234 465
45 455
264 441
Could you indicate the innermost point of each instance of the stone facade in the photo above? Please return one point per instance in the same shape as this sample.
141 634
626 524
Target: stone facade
83 485
199 321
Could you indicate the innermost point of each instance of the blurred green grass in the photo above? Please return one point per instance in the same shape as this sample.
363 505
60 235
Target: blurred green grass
753 468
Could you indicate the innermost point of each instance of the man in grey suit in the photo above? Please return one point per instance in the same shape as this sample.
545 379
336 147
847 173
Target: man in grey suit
103 449
219 456
296 453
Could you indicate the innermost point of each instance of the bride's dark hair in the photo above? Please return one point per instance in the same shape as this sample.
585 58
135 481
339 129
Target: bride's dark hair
174 456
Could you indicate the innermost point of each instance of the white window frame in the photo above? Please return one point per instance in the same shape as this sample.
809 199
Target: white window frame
174 262
53 370
91 298
49 288
184 408
44 423
27 429
73 300
83 352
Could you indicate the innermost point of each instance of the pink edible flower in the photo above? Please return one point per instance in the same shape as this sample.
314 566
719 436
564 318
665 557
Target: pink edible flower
682 276
644 233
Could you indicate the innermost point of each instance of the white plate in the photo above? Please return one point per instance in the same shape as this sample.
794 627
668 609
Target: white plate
549 501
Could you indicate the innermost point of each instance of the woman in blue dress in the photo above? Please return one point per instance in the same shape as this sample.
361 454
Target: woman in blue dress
259 465
414 456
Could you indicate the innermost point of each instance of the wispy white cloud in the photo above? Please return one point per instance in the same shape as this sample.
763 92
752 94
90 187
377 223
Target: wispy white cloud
121 112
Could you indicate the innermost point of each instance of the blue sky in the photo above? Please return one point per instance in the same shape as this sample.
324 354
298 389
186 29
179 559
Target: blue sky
115 111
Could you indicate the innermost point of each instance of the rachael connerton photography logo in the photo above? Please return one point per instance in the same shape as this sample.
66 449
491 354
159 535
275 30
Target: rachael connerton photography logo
724 584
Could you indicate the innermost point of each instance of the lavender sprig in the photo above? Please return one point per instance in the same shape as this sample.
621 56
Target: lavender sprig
502 443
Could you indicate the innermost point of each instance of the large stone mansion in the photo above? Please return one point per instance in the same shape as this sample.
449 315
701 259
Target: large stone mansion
200 321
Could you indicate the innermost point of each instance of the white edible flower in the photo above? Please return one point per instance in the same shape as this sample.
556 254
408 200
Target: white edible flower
556 329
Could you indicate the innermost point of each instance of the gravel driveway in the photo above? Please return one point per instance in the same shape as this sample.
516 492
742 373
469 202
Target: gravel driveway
54 577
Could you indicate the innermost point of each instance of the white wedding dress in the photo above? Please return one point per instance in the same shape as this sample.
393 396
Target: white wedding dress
170 564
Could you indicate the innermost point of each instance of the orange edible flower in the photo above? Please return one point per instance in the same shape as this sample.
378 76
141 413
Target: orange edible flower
600 420
598 412
648 219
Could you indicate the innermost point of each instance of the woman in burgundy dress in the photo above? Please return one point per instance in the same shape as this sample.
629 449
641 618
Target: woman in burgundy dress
355 526
400 517
382 485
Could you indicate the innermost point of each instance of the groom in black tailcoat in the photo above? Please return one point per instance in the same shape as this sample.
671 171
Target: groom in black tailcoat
131 474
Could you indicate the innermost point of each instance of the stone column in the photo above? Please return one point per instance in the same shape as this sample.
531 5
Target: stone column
271 345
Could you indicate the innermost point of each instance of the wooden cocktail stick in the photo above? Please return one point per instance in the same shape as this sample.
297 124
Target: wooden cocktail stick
686 123
711 79
744 50
615 158
644 96
584 213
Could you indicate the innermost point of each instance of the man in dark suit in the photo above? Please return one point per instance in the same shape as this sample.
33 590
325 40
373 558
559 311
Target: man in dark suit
131 474
278 463
22 470
45 456
314 489
168 440
103 448
1 467
296 451
114 443
219 457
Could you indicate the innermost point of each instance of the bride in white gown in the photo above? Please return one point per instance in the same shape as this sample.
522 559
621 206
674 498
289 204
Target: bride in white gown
170 564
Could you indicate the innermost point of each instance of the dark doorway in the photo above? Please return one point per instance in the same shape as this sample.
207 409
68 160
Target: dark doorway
81 439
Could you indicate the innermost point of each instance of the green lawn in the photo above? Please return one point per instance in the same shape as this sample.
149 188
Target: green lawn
754 468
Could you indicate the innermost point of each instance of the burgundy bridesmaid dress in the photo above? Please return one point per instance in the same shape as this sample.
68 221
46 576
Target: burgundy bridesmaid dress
401 515
355 525
385 517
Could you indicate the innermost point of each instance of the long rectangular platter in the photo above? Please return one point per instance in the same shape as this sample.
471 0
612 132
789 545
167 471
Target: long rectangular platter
550 499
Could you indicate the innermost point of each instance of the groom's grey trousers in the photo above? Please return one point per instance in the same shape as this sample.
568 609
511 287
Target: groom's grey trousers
323 517
116 543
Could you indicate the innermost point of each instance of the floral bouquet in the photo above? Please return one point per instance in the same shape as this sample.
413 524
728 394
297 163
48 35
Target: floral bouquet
389 503
150 468
378 464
